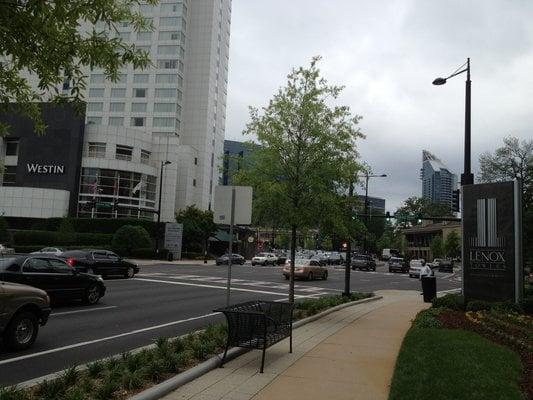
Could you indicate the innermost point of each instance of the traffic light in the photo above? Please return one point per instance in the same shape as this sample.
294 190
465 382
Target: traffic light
387 215
456 206
419 218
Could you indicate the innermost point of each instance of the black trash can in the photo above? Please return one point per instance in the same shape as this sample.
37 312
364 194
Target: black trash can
170 256
429 288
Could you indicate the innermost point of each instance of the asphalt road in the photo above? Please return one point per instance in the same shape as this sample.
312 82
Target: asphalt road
167 301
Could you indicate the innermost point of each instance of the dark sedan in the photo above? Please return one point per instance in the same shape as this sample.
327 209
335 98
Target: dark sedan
54 276
362 261
235 259
398 264
100 262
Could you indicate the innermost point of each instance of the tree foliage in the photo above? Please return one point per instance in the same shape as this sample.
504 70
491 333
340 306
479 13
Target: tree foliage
437 247
62 40
452 244
306 157
415 206
198 226
513 160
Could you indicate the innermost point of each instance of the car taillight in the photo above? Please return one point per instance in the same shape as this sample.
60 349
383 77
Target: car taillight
71 262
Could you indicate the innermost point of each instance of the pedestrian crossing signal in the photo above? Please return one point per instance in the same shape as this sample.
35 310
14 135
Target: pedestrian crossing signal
456 206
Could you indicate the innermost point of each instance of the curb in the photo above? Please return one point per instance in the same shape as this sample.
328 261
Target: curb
165 387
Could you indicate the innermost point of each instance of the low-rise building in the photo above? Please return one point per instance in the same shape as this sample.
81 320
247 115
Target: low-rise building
419 237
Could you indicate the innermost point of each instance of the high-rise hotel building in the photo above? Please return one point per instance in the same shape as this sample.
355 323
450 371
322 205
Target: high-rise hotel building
438 182
173 111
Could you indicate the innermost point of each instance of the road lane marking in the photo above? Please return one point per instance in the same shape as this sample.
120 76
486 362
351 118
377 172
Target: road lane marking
216 287
104 339
82 311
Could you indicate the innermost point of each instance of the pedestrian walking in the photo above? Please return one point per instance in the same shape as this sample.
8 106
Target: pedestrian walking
427 278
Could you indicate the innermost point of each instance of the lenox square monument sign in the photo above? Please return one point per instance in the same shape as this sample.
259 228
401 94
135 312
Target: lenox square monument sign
492 242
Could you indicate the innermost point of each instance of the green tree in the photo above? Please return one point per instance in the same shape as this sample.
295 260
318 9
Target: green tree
62 40
415 206
198 226
452 244
437 247
5 236
129 237
305 144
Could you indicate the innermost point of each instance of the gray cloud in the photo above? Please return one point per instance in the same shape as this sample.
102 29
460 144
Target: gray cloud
387 53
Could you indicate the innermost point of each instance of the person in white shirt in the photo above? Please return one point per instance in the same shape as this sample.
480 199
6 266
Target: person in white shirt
426 271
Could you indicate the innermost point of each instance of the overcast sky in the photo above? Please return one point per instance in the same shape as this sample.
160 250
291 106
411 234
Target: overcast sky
387 53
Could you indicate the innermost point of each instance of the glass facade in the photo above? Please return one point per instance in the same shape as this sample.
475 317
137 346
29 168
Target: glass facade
134 193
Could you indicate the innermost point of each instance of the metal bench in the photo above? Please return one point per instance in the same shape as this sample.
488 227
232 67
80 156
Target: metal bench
257 325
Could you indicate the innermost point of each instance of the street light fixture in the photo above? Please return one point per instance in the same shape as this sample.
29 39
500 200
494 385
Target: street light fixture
467 178
163 164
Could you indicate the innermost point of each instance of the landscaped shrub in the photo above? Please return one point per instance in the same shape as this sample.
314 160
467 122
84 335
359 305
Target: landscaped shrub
93 239
40 239
65 232
478 305
428 318
451 301
5 236
131 237
506 306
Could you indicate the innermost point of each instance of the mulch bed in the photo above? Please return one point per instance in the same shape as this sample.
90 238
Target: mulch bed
458 320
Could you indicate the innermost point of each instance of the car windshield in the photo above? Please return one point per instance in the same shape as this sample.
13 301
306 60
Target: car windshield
396 259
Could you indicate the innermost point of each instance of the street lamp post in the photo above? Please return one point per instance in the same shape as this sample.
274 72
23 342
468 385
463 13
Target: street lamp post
367 177
163 164
467 178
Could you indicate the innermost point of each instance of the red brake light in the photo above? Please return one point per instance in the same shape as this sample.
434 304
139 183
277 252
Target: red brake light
71 262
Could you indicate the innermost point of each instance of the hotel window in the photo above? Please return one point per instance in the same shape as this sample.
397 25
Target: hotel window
95 106
97 78
146 8
118 93
167 49
166 78
94 120
145 156
124 35
10 175
168 21
96 149
165 93
164 107
144 36
167 64
194 182
163 122
137 121
116 121
146 48
123 152
140 78
12 146
168 35
96 92
139 92
195 160
169 7
116 107
122 79
138 107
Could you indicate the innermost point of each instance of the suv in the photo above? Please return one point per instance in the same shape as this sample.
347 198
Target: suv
22 309
397 264
362 261
446 265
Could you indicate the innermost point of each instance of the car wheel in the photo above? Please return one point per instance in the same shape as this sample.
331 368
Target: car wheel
89 271
92 295
130 273
310 276
21 331
325 276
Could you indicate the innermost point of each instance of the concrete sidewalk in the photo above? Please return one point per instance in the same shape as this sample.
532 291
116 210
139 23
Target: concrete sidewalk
349 354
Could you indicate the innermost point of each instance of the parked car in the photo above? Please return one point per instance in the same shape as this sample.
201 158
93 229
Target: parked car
436 263
446 265
362 261
265 259
388 253
308 269
4 250
235 259
54 276
414 267
397 264
282 258
22 309
321 258
335 258
100 262
56 251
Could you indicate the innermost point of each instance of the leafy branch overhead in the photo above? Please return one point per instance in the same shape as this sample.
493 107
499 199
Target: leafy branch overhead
54 41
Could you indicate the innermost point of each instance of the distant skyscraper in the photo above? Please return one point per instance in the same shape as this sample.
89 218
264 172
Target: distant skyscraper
438 182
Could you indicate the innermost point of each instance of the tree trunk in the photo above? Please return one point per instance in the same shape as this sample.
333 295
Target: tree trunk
293 258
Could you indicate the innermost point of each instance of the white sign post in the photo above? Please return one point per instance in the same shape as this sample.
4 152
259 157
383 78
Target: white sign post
233 205
173 239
